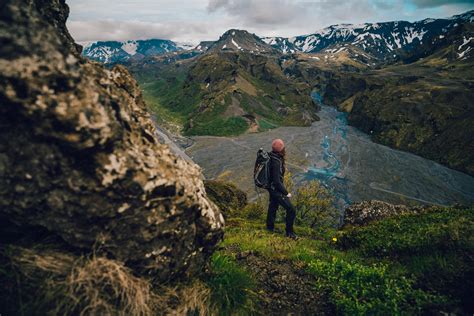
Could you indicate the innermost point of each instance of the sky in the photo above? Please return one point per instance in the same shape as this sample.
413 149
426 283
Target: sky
193 21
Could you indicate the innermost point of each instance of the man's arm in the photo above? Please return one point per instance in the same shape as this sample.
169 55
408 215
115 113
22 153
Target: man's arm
276 171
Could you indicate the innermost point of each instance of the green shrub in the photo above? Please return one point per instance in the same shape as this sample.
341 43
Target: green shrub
356 289
256 210
313 204
231 286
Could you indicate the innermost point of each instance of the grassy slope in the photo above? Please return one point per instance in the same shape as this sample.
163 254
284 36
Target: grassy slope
407 264
224 94
423 108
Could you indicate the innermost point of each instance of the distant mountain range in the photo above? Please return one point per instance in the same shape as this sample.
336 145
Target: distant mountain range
114 52
383 41
378 39
408 85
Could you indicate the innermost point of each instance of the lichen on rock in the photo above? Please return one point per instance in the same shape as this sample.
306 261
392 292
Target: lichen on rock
80 159
364 212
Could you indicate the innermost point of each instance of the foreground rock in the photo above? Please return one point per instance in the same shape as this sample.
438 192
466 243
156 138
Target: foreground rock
79 158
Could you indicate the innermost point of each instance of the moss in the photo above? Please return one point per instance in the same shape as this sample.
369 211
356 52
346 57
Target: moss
226 196
265 125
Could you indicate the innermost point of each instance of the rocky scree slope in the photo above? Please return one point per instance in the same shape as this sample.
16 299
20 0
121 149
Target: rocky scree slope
79 159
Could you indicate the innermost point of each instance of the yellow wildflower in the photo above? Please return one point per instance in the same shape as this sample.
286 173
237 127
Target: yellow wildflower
334 239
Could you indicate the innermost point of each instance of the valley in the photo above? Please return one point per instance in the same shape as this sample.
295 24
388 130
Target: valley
344 159
126 179
389 109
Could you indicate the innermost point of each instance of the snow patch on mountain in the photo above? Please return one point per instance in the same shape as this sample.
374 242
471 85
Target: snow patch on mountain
235 44
412 34
130 47
466 41
113 51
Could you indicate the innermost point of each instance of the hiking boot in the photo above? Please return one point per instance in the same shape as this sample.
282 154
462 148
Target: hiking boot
292 236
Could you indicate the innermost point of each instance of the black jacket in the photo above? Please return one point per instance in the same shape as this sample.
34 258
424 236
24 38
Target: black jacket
277 172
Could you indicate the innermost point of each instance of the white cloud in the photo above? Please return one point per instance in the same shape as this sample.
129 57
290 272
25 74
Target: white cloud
83 31
437 3
196 20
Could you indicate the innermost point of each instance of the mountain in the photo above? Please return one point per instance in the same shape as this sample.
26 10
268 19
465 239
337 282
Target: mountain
383 40
407 84
113 52
422 105
235 86
204 46
241 40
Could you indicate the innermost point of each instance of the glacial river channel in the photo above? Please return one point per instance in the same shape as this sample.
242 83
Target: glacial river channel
342 158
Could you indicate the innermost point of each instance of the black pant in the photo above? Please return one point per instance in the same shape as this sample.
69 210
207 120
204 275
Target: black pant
276 200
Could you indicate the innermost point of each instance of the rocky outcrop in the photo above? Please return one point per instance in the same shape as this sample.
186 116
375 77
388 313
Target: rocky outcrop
226 195
79 157
368 211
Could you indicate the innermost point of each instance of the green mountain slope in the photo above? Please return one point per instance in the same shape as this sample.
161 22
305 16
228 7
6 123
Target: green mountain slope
225 91
423 105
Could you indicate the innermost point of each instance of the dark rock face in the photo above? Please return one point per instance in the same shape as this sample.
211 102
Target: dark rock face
79 156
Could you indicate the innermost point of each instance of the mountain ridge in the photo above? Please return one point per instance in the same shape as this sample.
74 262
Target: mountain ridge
384 40
120 51
379 39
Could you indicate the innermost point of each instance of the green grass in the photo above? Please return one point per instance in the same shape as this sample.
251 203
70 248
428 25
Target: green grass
264 125
219 127
443 230
171 95
409 264
435 247
359 289
232 287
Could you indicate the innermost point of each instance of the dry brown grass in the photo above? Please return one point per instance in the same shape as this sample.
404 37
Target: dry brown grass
63 284
192 299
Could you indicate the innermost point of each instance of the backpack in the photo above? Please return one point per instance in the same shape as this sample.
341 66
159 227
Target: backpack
261 172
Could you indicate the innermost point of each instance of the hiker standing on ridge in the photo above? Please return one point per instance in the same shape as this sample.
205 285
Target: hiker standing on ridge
278 193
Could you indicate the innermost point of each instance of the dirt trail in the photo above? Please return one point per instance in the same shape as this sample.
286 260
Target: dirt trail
284 288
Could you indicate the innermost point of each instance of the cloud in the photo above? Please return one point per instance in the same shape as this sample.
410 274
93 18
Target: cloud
261 11
196 20
437 3
112 30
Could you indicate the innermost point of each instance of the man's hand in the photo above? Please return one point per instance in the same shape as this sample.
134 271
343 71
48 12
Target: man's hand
289 195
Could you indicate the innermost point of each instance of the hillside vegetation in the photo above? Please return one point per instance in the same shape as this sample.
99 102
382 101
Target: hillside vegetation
422 104
412 263
225 92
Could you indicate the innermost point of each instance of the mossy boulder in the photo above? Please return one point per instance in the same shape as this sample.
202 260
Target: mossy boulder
226 196
79 156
